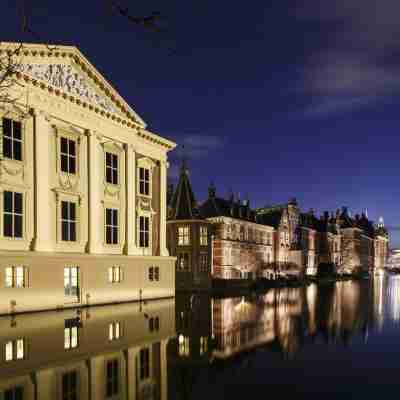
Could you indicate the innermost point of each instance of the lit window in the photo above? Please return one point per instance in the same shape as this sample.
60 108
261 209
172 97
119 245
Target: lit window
183 262
68 155
12 139
112 383
70 386
68 221
203 262
71 281
71 334
144 181
144 364
144 232
114 331
16 277
111 226
183 236
15 350
112 168
203 345
13 214
203 236
184 350
114 274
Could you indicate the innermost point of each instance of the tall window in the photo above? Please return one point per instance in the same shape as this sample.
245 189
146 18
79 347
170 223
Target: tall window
15 349
68 155
70 386
68 221
144 181
71 334
144 364
154 273
13 214
114 331
12 139
16 277
183 236
203 236
114 274
154 324
183 262
184 346
111 226
112 168
203 262
71 281
144 231
112 384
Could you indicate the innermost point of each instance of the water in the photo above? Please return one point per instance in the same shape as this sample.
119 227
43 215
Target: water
337 340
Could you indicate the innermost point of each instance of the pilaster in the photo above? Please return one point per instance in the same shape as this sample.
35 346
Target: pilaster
43 240
95 171
130 181
163 208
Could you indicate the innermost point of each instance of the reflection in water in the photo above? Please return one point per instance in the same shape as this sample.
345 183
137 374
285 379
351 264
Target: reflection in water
163 349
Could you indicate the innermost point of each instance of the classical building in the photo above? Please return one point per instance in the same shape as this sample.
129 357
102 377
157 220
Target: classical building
188 237
110 352
242 248
83 189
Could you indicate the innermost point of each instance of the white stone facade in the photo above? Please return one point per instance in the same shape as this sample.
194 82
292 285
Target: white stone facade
92 178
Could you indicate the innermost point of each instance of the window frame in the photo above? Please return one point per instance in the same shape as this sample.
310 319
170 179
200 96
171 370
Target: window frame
112 168
14 269
143 233
67 154
69 221
203 235
114 274
114 331
114 228
69 292
14 344
13 214
184 235
13 140
185 255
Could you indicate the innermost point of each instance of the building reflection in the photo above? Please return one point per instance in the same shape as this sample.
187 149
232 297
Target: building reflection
111 352
163 349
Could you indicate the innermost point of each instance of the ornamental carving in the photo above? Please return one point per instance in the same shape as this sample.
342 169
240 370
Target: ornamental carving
12 170
144 205
112 190
68 80
68 182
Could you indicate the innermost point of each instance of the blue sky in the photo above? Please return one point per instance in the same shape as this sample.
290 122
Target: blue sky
272 99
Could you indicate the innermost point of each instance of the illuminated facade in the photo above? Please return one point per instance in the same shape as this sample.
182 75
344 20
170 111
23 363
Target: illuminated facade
82 190
99 353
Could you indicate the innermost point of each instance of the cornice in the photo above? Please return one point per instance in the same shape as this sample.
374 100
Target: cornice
129 119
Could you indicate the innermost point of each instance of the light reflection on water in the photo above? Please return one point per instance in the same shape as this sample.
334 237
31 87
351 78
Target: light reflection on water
190 347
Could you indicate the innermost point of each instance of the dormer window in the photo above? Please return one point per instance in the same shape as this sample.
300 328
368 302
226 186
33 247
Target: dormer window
144 181
68 155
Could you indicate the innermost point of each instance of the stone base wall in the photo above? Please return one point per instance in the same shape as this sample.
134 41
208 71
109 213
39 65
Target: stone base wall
45 280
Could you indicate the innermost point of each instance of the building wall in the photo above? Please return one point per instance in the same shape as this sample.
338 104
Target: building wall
195 276
241 249
45 281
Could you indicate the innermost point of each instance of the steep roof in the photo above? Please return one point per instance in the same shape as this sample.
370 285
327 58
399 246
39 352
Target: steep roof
219 207
183 203
270 215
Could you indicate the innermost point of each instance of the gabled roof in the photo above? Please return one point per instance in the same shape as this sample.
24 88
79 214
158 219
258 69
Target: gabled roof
183 202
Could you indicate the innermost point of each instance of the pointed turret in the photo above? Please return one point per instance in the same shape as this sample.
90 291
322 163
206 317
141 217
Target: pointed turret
183 203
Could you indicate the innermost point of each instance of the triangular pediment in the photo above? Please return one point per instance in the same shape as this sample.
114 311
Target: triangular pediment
65 69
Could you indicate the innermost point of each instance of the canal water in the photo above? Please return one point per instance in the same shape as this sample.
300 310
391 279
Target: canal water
327 341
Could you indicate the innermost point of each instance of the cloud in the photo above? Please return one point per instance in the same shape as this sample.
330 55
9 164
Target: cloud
357 65
196 146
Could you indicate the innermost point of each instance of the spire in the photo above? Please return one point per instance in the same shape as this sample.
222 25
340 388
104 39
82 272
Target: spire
381 222
211 190
183 203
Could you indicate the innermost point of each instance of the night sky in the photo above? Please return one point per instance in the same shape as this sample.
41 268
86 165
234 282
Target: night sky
272 99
